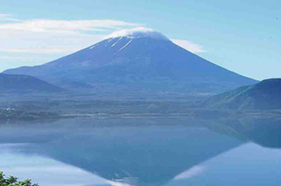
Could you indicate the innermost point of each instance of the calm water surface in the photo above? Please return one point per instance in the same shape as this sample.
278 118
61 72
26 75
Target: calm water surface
144 152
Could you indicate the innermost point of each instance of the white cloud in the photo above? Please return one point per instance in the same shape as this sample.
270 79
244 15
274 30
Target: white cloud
126 32
190 46
26 42
44 25
138 32
192 172
39 36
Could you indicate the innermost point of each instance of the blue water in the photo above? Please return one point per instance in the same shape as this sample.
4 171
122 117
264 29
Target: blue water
143 152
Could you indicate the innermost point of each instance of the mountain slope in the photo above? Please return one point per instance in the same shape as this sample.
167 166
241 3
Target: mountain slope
138 60
24 84
262 96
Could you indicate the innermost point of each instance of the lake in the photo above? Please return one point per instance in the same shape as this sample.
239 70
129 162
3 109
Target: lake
144 152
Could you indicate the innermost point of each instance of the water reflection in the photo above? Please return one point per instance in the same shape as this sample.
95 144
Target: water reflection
43 170
250 165
144 152
265 132
137 155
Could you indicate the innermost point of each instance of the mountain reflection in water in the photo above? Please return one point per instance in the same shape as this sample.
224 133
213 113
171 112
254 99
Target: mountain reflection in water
142 152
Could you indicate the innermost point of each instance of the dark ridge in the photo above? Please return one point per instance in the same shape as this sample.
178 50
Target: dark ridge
261 96
25 84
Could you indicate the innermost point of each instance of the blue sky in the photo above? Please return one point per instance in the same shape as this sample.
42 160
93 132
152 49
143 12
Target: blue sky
241 35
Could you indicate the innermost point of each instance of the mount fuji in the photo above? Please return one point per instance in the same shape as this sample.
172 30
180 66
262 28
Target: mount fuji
136 60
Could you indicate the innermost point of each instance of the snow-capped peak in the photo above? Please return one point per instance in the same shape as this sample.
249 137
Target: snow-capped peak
138 32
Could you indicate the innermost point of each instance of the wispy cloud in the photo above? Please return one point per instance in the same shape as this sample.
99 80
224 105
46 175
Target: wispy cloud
28 42
190 46
45 25
39 36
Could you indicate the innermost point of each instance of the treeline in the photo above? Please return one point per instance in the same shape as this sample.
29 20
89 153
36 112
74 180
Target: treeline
13 181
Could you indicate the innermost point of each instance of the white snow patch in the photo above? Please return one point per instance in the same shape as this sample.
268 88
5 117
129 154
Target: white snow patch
93 46
125 46
138 33
116 42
